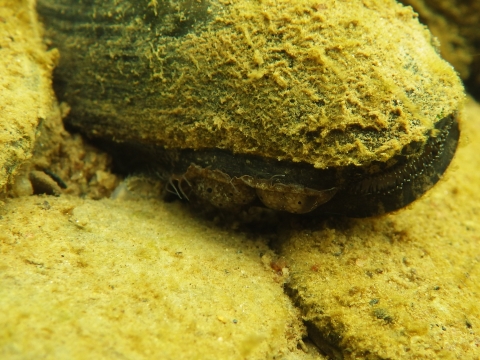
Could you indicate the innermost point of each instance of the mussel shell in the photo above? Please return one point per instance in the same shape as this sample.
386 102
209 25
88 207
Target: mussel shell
349 88
230 181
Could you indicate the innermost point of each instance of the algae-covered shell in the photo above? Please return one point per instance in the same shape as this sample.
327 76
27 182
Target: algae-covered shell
351 94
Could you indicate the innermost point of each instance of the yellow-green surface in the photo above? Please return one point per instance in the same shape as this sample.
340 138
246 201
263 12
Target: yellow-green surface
83 279
333 83
405 285
139 280
26 97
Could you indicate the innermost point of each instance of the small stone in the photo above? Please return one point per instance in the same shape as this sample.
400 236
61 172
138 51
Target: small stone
44 184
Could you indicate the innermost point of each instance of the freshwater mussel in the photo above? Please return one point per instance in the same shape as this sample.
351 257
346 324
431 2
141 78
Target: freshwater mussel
341 107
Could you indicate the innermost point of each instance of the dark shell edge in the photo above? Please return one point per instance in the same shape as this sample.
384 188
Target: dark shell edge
350 191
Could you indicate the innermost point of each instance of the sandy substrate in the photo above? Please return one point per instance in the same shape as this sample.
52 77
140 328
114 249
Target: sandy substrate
136 279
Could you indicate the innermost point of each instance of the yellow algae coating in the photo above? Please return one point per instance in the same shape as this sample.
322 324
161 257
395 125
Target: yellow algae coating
26 96
329 83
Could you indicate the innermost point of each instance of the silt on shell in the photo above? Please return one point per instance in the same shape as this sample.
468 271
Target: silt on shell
344 105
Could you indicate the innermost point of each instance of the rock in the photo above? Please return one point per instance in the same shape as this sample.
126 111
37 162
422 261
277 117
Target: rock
26 96
137 279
